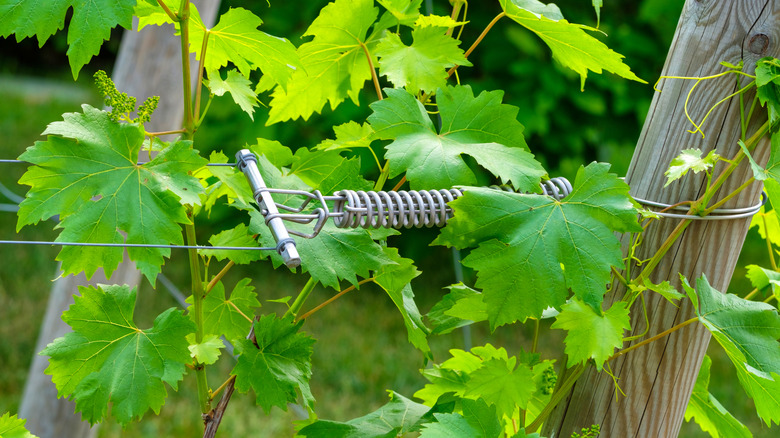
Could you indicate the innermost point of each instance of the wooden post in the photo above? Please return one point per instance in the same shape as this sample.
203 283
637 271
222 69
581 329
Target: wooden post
658 379
148 64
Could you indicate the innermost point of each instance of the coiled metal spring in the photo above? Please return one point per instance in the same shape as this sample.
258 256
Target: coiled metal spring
411 209
401 209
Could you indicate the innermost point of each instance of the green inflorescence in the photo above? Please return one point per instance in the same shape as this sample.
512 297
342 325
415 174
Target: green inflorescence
588 432
549 379
121 104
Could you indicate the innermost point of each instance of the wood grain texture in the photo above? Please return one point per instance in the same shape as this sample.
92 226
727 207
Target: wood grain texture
148 64
658 379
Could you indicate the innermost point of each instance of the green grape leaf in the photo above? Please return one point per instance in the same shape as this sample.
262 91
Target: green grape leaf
238 236
748 332
335 254
773 164
107 359
327 171
151 13
231 184
449 426
206 352
232 316
396 418
481 417
276 153
690 159
665 289
481 127
539 9
13 427
278 366
446 317
86 173
437 21
349 135
767 225
590 335
762 278
236 39
499 383
570 45
238 86
334 63
88 27
768 87
422 65
707 411
533 249
486 373
404 11
394 279
759 172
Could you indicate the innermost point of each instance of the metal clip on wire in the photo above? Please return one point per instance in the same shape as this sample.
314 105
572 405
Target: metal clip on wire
285 245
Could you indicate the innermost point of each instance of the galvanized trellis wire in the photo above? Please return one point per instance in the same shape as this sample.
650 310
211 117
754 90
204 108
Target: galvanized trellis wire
355 209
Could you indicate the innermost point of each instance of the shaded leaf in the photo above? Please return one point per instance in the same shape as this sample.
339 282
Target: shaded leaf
396 418
88 27
480 126
238 237
748 331
460 307
229 316
238 86
570 45
278 366
108 360
707 411
394 279
532 249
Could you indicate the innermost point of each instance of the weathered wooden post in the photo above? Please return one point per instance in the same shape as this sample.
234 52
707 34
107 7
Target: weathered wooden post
658 379
148 64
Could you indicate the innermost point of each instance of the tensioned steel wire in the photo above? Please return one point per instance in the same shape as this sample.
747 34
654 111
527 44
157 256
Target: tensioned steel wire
357 209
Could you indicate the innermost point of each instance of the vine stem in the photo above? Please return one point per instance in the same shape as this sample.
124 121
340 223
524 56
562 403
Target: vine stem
168 11
301 298
332 299
223 386
197 316
219 276
201 67
654 338
750 294
374 76
184 24
556 398
769 248
155 134
708 194
479 39
400 183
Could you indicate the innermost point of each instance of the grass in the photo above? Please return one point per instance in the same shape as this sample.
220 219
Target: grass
361 345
